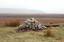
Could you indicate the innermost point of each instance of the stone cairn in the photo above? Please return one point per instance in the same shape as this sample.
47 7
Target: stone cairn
31 24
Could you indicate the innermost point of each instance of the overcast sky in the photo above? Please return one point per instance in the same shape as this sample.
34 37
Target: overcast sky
47 6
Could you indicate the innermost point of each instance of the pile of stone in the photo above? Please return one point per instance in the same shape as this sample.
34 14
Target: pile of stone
31 24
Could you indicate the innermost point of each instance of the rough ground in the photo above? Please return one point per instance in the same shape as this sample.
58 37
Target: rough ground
8 34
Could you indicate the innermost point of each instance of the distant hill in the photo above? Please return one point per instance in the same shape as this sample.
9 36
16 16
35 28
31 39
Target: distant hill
18 11
34 15
9 12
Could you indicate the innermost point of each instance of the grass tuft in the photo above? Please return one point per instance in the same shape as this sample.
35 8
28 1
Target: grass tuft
49 33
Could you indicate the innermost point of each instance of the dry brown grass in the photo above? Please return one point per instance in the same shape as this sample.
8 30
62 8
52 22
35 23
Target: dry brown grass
42 20
12 23
49 33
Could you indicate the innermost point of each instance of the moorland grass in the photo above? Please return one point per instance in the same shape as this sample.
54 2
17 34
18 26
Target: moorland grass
8 34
